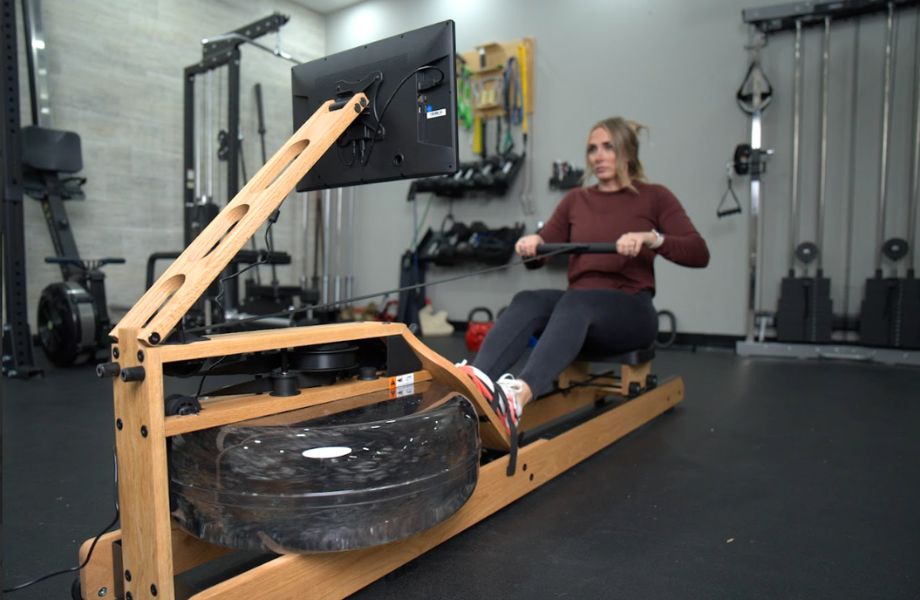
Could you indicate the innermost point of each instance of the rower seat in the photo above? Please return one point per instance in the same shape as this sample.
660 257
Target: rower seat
635 370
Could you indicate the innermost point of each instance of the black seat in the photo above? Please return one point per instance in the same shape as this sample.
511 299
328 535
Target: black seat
636 357
52 150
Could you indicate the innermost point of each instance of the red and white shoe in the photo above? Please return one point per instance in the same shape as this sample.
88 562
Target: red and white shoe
482 381
513 388
503 401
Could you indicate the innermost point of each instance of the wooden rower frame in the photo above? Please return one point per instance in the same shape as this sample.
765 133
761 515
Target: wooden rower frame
141 560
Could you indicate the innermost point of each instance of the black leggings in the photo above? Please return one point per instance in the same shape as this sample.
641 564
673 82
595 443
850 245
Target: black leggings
600 321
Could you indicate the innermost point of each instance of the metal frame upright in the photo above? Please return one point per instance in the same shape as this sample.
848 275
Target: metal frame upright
221 51
18 359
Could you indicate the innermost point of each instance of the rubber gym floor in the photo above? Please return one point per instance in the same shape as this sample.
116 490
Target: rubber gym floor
773 479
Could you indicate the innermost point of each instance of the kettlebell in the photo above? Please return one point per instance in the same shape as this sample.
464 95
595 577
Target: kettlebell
476 330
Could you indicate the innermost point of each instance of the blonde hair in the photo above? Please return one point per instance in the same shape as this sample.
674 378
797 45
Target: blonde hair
624 134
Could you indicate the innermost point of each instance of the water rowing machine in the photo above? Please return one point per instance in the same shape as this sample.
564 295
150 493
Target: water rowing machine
225 472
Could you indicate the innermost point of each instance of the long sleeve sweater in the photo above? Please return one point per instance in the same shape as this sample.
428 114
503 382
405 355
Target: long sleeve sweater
590 215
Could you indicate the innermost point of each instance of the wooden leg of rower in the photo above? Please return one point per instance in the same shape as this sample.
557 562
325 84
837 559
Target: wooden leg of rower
637 374
102 576
98 578
575 372
143 486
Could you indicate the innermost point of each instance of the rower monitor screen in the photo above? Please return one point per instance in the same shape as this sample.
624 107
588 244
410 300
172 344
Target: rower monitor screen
408 129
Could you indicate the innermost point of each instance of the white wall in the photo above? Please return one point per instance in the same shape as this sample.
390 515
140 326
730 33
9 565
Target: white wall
674 66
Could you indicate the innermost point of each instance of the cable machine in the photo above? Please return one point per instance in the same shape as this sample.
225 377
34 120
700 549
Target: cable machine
201 131
805 312
890 314
804 320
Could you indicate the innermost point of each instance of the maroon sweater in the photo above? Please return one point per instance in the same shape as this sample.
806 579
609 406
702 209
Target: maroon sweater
590 215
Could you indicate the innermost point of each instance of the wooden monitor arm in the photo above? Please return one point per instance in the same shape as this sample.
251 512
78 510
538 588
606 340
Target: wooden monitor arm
180 286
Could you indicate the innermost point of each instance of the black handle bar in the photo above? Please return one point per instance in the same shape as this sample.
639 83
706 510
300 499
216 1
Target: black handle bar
578 248
152 261
728 212
83 263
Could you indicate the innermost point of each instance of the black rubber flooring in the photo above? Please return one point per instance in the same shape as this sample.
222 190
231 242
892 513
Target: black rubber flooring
773 479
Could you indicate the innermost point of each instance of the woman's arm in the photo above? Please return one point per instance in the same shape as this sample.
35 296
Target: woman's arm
682 242
556 230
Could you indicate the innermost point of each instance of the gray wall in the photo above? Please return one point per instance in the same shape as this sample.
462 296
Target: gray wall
674 66
116 79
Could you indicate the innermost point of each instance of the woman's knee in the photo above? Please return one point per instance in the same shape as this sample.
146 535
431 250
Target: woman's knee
531 301
525 297
576 304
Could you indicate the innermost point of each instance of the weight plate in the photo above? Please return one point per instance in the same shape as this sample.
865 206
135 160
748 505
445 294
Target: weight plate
895 249
807 252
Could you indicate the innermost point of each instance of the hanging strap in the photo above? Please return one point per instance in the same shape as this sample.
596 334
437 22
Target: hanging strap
501 405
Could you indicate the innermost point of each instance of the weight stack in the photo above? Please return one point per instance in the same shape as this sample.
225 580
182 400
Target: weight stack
805 311
890 315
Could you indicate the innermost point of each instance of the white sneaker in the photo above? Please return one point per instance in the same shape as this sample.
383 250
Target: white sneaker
513 388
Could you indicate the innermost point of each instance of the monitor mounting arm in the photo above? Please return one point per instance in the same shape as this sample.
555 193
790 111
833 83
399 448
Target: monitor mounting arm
344 90
370 130
159 310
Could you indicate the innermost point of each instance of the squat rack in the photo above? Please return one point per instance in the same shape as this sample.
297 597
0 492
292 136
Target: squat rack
18 360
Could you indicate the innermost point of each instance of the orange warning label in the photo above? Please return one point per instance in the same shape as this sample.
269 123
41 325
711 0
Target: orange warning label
401 385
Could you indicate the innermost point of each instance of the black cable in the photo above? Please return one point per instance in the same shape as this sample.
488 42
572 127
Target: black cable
205 374
380 130
304 309
270 248
399 85
585 383
89 554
